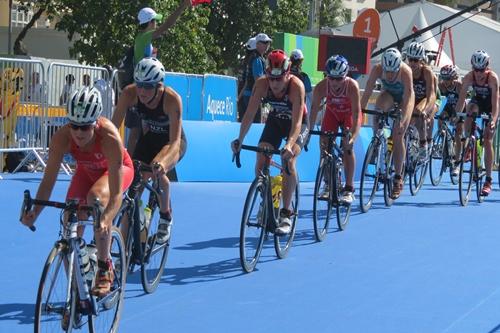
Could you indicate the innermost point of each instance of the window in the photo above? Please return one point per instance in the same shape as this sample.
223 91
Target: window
20 17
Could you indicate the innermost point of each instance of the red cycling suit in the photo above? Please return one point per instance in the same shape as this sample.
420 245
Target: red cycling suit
338 110
92 165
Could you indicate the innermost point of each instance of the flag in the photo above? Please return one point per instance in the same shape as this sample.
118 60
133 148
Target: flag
197 2
414 29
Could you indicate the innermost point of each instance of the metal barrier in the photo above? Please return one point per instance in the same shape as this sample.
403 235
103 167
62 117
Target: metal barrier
22 106
33 104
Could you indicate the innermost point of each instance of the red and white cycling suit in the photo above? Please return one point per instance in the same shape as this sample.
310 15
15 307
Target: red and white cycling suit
338 109
92 165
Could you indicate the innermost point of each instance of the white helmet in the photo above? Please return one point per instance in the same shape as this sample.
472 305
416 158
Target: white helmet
391 60
416 50
84 106
480 60
149 70
296 55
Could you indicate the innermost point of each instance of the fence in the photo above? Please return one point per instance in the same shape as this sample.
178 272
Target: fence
32 104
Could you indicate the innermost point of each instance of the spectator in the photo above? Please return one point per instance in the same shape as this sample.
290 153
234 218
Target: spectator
86 80
35 90
250 47
67 89
297 57
255 69
148 31
107 93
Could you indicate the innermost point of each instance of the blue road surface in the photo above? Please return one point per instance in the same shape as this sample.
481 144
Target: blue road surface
424 265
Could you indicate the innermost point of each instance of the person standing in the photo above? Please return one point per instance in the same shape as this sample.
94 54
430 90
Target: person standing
255 69
296 59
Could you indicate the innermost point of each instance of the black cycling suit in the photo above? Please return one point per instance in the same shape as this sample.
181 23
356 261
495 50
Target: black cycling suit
279 121
156 132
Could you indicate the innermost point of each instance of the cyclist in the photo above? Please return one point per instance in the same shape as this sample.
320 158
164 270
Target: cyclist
162 142
397 87
424 86
104 170
484 83
287 119
450 87
342 109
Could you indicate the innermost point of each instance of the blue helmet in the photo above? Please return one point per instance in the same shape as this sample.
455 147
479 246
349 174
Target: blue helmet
336 66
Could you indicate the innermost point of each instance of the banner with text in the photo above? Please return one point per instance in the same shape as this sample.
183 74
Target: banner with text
219 98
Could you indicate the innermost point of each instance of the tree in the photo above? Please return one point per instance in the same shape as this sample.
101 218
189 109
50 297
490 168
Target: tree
103 31
39 7
233 22
332 14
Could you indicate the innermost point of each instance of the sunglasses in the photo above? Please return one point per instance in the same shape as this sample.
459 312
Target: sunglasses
413 59
335 78
83 128
147 86
279 78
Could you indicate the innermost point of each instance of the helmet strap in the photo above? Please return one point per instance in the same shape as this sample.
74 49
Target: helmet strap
154 96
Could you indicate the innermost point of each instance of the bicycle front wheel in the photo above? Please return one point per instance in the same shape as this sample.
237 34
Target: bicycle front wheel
55 298
343 209
369 176
438 157
109 307
154 253
389 179
418 177
322 205
466 174
253 226
283 243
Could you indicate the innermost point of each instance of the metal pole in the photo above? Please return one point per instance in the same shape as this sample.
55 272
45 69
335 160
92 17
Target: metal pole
9 38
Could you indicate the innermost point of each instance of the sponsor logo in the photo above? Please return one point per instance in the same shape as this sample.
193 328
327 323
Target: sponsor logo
220 107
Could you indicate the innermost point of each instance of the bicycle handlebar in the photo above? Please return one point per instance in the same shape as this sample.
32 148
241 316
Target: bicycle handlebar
28 203
266 151
484 116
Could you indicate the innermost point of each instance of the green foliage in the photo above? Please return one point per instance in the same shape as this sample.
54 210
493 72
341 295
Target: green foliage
333 14
205 39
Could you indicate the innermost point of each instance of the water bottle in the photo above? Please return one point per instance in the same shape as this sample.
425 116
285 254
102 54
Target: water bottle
276 190
147 219
389 144
479 152
141 215
84 258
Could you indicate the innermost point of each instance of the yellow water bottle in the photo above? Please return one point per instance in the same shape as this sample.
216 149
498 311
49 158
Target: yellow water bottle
479 151
389 144
276 184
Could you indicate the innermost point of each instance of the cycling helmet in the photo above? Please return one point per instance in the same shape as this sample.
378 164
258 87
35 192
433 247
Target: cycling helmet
480 59
149 70
416 50
391 60
84 106
297 55
336 66
448 72
277 63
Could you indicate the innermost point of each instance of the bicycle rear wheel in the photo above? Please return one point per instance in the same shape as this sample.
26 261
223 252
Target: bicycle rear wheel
55 298
369 176
437 162
283 243
253 225
322 205
109 307
466 174
154 253
342 209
